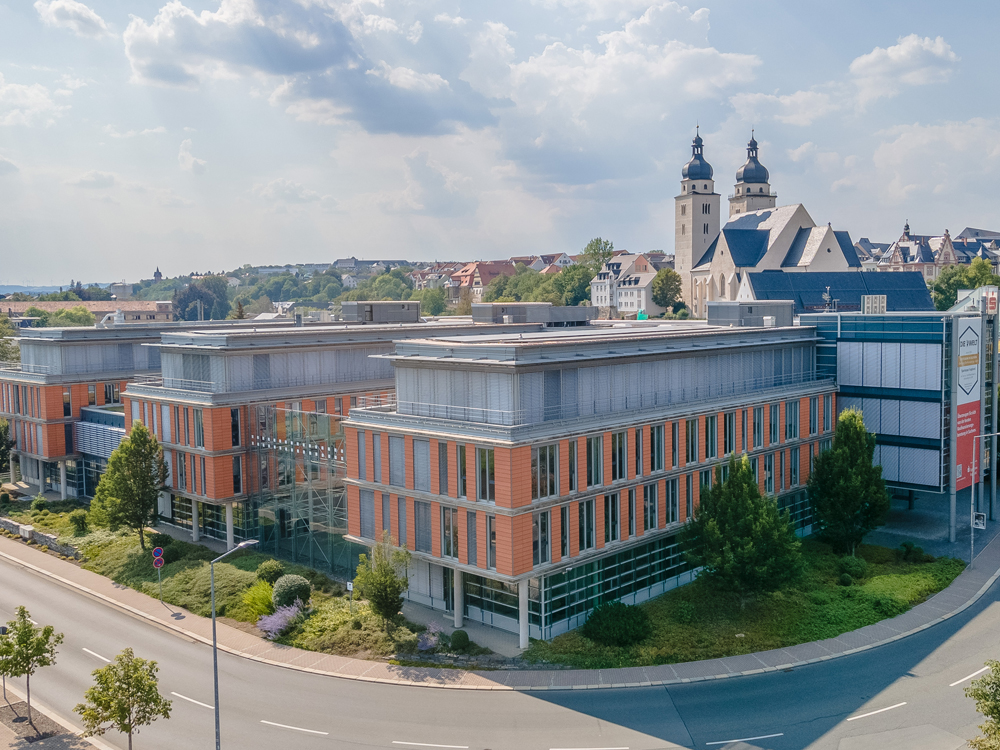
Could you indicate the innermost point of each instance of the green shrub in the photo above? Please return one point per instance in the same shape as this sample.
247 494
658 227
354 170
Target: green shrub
187 584
39 503
270 571
855 567
258 601
291 588
913 554
355 624
459 640
617 624
684 612
158 539
4 498
845 579
78 518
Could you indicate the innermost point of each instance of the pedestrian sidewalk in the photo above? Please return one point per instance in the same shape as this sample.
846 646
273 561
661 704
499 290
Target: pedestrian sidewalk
963 592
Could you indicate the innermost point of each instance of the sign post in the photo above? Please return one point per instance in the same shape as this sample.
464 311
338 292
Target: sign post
158 564
350 590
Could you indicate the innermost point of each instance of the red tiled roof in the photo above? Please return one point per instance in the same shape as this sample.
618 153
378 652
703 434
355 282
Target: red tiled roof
94 307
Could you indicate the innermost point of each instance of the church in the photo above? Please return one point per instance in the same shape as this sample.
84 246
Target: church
758 236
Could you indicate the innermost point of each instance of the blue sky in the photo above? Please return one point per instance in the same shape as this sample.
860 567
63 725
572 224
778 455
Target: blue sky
194 135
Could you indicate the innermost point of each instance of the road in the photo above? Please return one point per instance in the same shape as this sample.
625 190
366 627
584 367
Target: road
897 696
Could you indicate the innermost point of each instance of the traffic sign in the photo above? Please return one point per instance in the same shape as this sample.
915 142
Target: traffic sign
350 586
158 562
158 552
979 521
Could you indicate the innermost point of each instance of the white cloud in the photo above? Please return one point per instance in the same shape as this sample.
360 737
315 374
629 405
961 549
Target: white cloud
802 108
110 130
408 79
189 162
415 32
450 20
70 14
286 190
914 61
94 180
802 152
7 167
26 104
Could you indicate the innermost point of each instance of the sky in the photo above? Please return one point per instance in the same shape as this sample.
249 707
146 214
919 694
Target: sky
194 135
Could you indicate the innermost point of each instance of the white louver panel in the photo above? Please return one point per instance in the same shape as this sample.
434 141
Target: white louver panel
98 439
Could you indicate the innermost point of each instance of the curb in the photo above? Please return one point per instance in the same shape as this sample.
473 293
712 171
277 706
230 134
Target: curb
64 723
518 688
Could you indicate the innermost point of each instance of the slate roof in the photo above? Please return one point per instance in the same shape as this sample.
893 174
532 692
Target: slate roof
972 232
905 290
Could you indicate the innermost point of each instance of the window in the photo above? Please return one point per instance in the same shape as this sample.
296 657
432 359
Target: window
689 496
781 471
540 538
68 434
754 467
354 401
691 431
367 514
728 433
705 480
585 511
112 393
638 451
674 430
758 427
442 468
422 525
237 475
204 474
673 501
656 447
769 474
572 465
321 406
791 420
187 428
461 471
491 542
564 531
422 465
724 472
825 445
336 406
91 395
486 488
362 471
472 536
402 534
397 461
793 460
67 403
386 513
377 457
612 515
543 471
827 411
449 533
631 512
743 444
234 419
704 229
711 436
649 507
594 466
814 415
618 454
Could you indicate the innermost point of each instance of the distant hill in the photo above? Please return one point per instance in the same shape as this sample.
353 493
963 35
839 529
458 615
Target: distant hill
34 290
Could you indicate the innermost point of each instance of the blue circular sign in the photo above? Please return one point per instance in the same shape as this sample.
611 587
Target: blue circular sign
158 552
158 562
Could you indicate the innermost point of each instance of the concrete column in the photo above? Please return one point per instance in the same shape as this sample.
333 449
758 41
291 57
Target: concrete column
522 616
62 480
953 427
195 533
230 541
459 599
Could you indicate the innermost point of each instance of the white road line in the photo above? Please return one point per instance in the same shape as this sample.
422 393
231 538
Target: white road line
588 748
94 653
977 672
191 700
297 729
35 623
872 713
747 739
427 744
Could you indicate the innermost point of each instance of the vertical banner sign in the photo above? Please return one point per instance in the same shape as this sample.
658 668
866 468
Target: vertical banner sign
967 392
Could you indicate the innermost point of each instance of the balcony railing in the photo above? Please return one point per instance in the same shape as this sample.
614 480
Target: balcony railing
26 367
295 380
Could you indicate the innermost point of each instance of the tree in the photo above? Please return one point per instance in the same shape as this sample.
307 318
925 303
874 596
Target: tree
239 312
846 489
29 648
666 287
952 278
124 697
259 306
573 283
597 252
382 578
136 474
464 306
986 693
77 316
6 446
9 350
744 543
6 649
432 301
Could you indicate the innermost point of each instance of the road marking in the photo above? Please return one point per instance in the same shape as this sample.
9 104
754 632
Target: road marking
35 623
747 739
191 700
297 729
94 653
872 713
977 672
588 748
427 744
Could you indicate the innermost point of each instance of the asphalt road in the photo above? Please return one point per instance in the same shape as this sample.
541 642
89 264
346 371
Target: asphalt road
906 687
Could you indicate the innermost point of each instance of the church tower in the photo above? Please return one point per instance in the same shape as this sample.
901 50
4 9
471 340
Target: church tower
696 215
752 189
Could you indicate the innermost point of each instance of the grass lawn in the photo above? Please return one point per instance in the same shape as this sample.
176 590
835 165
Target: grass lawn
694 622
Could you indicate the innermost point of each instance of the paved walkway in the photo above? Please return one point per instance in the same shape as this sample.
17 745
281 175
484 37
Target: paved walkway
963 592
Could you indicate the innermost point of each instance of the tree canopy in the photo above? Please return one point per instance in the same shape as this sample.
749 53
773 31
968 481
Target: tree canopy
213 294
740 539
952 278
666 287
846 489
571 286
9 350
26 648
597 252
986 693
72 317
381 578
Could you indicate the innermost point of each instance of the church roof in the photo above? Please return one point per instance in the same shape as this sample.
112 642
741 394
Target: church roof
809 240
748 236
752 171
697 168
905 291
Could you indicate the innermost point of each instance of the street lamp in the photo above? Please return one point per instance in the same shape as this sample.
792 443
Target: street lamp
215 642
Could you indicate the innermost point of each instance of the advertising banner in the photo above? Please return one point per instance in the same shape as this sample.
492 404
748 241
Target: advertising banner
967 393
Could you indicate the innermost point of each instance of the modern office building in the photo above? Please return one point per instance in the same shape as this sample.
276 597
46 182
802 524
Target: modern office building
534 475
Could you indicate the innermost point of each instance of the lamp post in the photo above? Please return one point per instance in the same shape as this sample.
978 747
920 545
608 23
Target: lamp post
215 642
972 494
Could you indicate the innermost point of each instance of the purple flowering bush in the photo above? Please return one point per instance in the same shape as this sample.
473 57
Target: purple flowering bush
273 626
430 638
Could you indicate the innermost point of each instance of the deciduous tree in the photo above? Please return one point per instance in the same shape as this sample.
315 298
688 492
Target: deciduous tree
952 278
986 693
598 252
666 287
29 648
381 578
846 489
